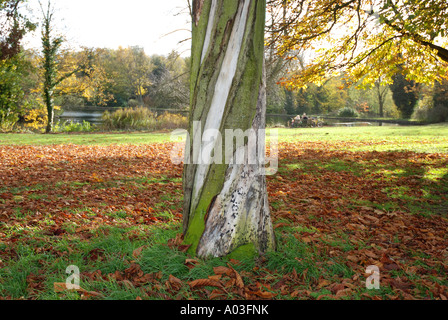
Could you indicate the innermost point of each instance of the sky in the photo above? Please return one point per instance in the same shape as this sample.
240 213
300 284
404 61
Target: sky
150 24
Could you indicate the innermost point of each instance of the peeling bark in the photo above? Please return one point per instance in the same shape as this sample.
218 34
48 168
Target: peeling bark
225 204
197 9
240 215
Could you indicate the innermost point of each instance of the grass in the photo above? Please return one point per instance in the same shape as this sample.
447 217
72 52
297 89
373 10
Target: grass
331 181
137 138
393 137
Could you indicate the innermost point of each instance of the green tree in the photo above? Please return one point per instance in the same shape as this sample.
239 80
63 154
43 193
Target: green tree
433 107
405 94
439 112
10 91
13 65
289 104
52 73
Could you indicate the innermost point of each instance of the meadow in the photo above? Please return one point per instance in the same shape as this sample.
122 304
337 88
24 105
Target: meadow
343 199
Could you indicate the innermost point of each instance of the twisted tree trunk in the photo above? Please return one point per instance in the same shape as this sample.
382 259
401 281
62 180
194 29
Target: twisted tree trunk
225 200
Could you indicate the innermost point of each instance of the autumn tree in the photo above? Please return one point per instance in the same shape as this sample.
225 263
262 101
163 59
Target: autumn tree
226 207
135 71
130 68
366 39
90 83
13 27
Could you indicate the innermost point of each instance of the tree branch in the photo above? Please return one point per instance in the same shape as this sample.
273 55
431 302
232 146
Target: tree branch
442 53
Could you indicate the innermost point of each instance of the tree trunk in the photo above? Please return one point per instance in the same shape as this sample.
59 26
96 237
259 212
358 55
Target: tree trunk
225 200
50 110
49 49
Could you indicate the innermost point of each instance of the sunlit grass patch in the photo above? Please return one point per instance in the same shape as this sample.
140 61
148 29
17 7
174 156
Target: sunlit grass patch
436 174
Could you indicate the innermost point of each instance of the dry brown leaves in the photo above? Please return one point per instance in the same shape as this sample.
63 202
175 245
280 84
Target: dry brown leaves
88 184
85 184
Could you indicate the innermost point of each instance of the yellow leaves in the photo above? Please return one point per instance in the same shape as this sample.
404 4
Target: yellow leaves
36 118
345 39
94 178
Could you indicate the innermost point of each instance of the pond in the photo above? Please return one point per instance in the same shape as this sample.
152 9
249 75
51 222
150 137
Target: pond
94 117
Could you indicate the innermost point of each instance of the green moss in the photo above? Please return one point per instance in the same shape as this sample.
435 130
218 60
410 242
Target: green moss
198 32
212 187
247 251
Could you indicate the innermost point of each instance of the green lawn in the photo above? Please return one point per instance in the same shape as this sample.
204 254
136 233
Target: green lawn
136 138
111 204
431 138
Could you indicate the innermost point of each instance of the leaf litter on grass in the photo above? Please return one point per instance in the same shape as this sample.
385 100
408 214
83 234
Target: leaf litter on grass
345 210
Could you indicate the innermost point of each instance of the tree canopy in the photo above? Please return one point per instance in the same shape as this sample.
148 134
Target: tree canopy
362 39
13 26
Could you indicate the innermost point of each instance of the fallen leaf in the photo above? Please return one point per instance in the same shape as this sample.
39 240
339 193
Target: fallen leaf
222 270
191 263
323 283
60 286
352 258
204 283
137 252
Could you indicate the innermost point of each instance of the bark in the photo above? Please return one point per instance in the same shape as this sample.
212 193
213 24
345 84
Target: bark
225 202
50 110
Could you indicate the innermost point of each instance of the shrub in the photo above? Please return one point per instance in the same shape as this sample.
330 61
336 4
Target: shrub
71 126
36 118
128 119
141 118
171 121
428 111
348 112
7 120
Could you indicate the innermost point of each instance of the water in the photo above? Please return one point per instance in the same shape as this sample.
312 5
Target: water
94 117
